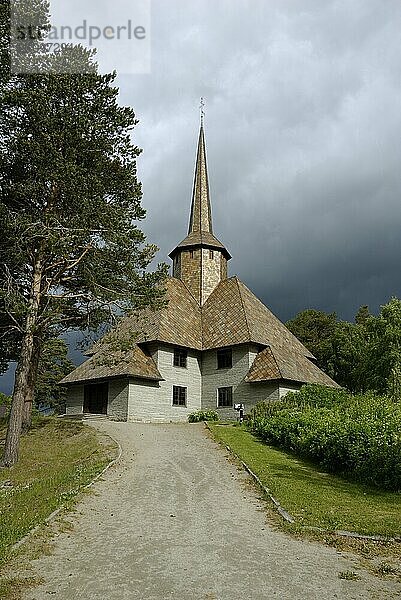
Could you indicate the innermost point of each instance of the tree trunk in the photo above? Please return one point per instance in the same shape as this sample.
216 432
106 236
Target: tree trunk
22 376
29 397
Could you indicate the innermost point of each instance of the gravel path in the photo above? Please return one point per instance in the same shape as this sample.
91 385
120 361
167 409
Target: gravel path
173 519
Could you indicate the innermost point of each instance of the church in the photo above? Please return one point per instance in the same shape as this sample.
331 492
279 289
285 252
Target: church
213 344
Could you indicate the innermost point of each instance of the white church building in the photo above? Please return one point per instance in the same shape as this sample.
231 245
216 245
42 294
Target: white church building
213 344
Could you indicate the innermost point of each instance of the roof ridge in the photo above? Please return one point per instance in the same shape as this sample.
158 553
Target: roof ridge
237 280
304 352
187 288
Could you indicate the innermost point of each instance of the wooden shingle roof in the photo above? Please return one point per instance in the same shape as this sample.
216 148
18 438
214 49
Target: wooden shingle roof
201 238
178 322
270 364
264 368
200 232
231 315
103 365
234 315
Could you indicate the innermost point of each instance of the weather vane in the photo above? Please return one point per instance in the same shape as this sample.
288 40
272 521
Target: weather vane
202 109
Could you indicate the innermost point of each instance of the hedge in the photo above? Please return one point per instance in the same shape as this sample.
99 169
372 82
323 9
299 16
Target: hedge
353 435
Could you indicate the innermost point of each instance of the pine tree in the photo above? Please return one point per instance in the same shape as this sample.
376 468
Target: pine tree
72 254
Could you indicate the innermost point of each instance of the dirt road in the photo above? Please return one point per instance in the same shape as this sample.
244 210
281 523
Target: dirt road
173 519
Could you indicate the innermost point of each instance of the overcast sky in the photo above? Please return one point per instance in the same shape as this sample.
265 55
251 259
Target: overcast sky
303 134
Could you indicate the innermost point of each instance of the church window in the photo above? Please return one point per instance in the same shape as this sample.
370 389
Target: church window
179 395
225 358
180 357
211 254
224 397
192 253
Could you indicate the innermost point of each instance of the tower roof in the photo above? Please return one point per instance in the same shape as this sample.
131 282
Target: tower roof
200 231
201 210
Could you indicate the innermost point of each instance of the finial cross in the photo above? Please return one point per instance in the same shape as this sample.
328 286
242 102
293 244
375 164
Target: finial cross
202 109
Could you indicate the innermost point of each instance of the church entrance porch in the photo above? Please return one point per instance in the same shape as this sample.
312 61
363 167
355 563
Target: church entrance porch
96 398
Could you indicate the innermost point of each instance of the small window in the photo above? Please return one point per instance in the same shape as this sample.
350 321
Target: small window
179 395
225 358
191 254
224 397
180 357
211 254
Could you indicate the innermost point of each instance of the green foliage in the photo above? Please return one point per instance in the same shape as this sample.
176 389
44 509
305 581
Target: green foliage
70 200
309 396
348 346
361 356
359 436
69 197
5 403
336 345
203 415
363 315
315 328
382 358
54 364
71 253
394 383
4 400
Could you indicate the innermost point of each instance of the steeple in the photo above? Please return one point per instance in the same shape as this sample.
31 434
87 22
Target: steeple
201 211
200 260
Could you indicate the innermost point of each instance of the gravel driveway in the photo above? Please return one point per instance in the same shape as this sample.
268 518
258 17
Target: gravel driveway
173 519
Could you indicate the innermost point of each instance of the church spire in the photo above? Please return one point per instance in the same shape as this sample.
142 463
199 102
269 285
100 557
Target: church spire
200 260
201 211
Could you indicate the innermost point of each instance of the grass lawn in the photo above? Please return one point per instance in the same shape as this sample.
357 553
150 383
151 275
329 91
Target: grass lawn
57 459
312 497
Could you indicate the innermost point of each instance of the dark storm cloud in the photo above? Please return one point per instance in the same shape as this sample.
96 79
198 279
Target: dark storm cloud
303 136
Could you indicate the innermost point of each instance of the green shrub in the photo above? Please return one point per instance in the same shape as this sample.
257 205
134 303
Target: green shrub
354 435
203 415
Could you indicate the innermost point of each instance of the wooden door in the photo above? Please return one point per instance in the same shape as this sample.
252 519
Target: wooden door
96 398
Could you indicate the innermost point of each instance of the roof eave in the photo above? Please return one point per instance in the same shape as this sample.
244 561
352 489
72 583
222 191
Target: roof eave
201 245
107 377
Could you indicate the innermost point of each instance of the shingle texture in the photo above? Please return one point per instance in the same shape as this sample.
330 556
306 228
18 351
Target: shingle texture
179 323
201 238
200 231
103 365
232 315
272 365
264 367
297 367
201 211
